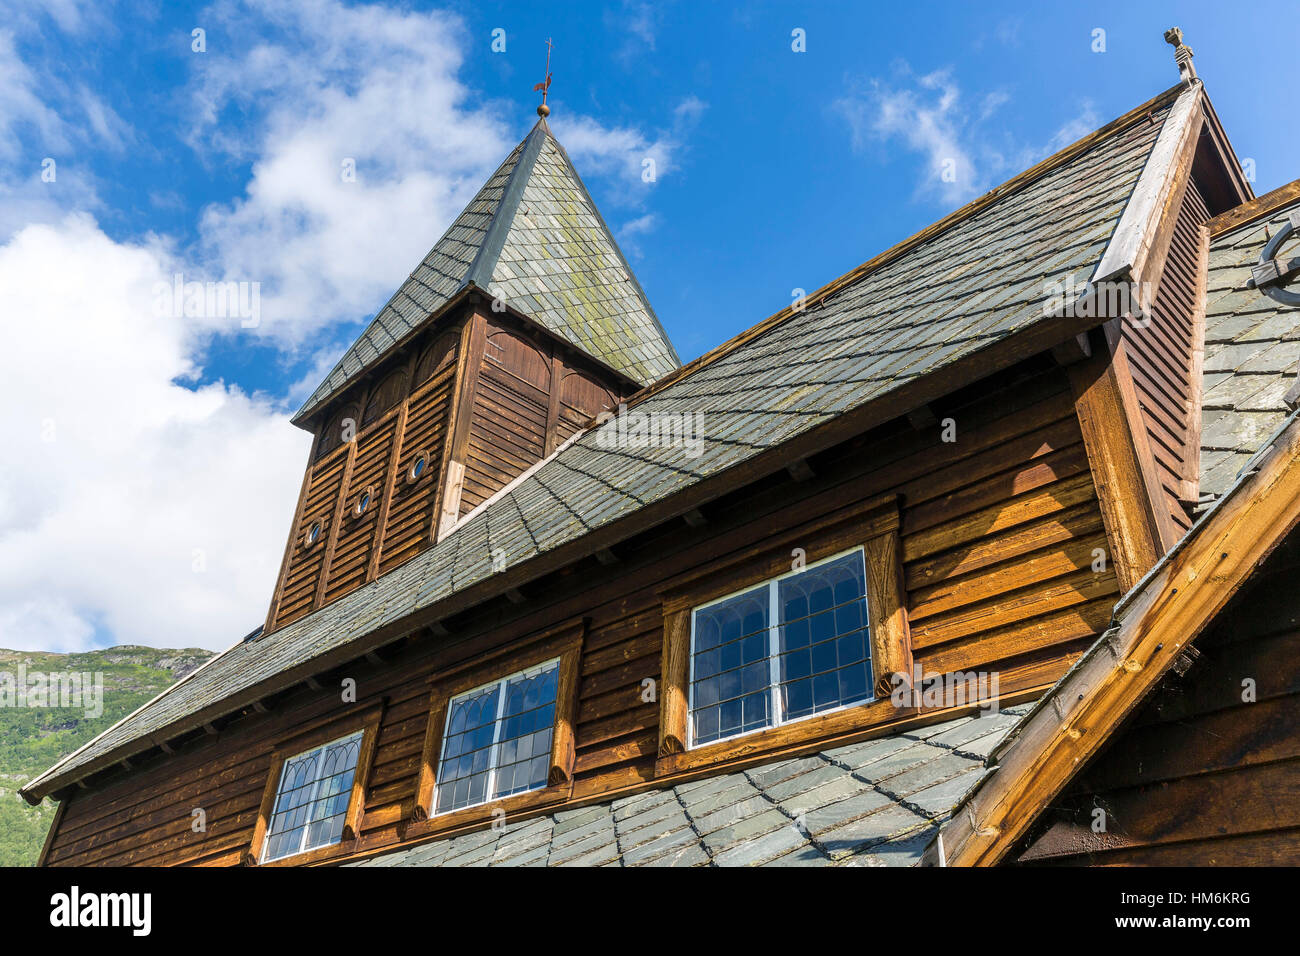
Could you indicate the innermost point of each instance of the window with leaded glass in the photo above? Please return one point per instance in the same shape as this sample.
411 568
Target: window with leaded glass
497 739
790 648
311 800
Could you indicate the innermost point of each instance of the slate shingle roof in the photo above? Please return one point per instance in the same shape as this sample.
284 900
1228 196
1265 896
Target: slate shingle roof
972 285
876 803
533 236
1252 354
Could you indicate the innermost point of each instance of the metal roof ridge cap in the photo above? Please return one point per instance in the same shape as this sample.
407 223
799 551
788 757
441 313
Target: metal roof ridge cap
934 230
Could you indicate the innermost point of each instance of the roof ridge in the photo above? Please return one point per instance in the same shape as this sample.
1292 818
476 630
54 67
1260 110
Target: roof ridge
932 231
503 217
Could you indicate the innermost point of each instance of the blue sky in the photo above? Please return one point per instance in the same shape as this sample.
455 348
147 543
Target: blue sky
149 493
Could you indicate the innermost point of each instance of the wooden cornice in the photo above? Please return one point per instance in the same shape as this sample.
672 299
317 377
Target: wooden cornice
1254 210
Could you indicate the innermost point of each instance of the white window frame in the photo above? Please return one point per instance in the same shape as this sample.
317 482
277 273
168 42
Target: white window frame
495 749
359 736
773 655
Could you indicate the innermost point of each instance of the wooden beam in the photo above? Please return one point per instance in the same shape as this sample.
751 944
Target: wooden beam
1154 627
922 417
695 518
800 470
1258 208
469 363
1073 351
515 596
1118 453
607 557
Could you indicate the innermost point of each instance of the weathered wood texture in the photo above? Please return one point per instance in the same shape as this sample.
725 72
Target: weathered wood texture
402 415
1162 352
999 531
1199 775
525 403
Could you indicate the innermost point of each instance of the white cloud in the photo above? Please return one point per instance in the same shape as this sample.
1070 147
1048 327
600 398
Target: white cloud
133 507
366 85
621 152
963 150
130 504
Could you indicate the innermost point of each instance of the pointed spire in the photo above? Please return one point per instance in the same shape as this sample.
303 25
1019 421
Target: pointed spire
1182 54
544 111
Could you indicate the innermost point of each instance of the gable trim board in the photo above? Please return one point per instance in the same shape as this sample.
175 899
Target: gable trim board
952 351
1135 236
1154 624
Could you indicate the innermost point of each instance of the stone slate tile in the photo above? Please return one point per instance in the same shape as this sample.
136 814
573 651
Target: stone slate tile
649 816
641 802
673 840
566 820
861 754
834 815
822 773
701 804
772 775
652 831
730 814
972 729
755 825
576 848
771 845
881 770
940 798
597 827
943 766
842 786
595 857
904 851
868 831
807 855
537 856
689 855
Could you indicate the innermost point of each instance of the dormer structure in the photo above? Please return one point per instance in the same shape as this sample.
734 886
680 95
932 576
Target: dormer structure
522 324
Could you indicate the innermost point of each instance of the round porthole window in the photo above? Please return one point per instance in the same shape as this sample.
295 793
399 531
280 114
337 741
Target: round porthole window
419 466
312 536
363 502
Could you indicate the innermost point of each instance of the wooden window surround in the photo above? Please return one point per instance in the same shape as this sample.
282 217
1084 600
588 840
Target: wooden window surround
872 525
563 642
367 721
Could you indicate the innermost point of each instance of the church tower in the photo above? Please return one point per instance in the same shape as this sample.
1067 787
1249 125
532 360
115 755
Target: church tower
521 325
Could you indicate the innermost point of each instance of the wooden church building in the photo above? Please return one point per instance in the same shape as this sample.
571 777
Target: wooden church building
983 553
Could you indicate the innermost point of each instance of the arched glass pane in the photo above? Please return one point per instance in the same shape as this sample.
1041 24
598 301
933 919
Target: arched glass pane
311 802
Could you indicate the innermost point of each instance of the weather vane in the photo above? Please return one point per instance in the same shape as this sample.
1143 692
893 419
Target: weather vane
545 85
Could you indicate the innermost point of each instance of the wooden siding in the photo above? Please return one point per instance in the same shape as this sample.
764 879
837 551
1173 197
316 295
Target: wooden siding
527 401
515 419
1199 776
1162 353
999 531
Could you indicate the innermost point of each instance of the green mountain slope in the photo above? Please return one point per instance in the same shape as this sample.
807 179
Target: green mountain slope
34 738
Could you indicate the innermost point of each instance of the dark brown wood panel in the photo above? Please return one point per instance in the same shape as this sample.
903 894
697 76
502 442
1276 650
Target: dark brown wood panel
1208 771
999 529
